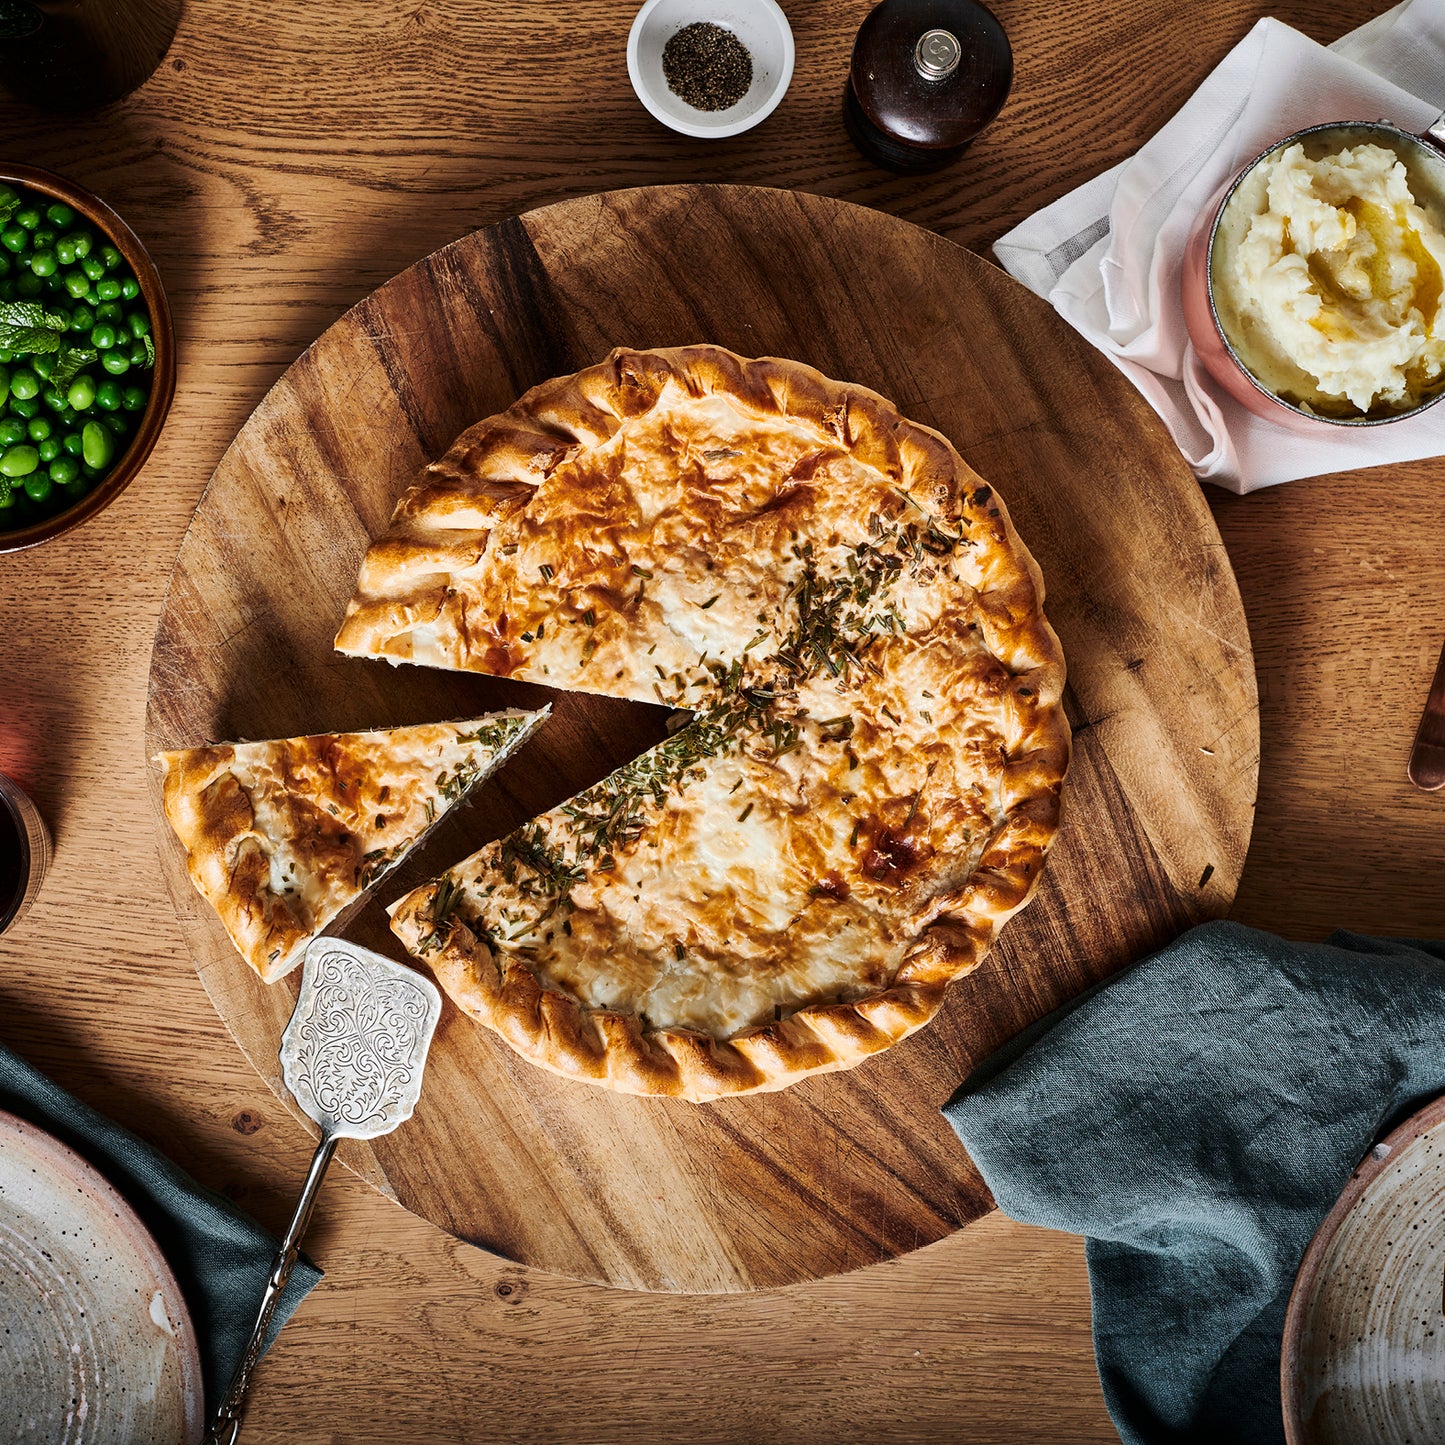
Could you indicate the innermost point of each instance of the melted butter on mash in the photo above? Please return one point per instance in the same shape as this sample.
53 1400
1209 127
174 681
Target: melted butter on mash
1327 280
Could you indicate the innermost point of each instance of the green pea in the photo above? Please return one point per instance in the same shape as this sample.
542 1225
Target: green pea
54 398
76 285
21 406
38 486
137 354
28 284
65 251
111 257
64 470
107 290
115 362
19 461
82 318
6 357
71 444
4 383
43 238
7 290
49 450
134 398
98 445
28 217
102 336
139 323
59 214
93 267
130 288
118 422
12 430
42 263
14 238
5 264
107 395
42 366
9 196
24 383
111 312
38 428
81 394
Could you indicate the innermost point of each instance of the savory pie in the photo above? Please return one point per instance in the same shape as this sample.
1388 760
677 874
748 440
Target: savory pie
282 836
870 776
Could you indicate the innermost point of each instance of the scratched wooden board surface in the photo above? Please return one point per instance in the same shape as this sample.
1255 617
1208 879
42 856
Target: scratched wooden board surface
839 1171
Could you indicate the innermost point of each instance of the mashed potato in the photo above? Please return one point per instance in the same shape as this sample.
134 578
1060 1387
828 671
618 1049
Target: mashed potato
1327 280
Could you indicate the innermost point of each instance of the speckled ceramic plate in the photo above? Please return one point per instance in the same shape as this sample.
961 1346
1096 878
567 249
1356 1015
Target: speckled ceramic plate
97 1347
1364 1339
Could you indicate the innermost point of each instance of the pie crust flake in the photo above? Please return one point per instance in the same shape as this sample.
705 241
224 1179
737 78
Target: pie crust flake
871 774
282 836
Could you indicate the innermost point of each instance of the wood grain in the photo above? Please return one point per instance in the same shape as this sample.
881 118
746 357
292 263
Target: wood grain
763 1191
282 165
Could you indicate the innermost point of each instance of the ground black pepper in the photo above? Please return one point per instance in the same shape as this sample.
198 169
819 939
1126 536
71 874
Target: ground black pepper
707 66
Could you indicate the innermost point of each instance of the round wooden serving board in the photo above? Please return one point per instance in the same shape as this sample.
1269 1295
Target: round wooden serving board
841 1170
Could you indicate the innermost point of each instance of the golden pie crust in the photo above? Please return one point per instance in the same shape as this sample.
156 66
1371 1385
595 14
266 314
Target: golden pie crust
281 836
872 773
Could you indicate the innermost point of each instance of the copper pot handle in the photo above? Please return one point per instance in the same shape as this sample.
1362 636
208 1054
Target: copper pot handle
1427 757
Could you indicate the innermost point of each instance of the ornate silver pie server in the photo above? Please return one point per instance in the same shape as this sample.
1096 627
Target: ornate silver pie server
352 1056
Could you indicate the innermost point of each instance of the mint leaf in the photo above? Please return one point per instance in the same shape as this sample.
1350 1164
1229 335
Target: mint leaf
150 347
30 313
26 326
8 208
72 359
31 340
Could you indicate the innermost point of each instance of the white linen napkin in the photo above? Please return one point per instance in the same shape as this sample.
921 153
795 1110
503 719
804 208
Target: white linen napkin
1108 255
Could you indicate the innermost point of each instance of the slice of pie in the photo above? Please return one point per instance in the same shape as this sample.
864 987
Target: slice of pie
282 836
871 775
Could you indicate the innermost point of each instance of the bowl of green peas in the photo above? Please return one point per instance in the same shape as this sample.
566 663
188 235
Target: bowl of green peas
87 356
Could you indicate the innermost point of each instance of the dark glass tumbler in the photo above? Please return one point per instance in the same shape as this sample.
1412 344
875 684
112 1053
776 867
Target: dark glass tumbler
81 54
24 853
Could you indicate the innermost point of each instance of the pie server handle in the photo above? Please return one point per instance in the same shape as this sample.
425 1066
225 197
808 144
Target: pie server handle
1427 757
227 1425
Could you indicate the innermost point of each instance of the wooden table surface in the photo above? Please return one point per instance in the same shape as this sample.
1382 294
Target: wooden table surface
286 159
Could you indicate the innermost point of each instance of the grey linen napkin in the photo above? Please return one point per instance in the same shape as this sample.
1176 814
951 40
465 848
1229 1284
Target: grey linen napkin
1195 1118
220 1256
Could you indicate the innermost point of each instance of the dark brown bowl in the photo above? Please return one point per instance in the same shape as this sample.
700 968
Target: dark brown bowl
163 379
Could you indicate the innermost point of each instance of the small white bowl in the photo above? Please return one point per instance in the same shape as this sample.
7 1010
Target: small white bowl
759 24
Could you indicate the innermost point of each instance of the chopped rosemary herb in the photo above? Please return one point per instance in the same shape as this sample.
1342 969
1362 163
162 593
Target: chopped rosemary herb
547 573
710 601
640 571
743 816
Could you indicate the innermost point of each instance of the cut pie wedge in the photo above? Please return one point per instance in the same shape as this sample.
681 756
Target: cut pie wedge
282 836
871 776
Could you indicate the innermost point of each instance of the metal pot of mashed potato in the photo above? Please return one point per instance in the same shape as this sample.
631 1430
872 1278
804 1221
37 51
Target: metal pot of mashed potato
1314 291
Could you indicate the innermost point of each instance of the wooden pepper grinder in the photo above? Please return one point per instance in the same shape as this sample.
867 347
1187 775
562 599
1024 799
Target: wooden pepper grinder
926 77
